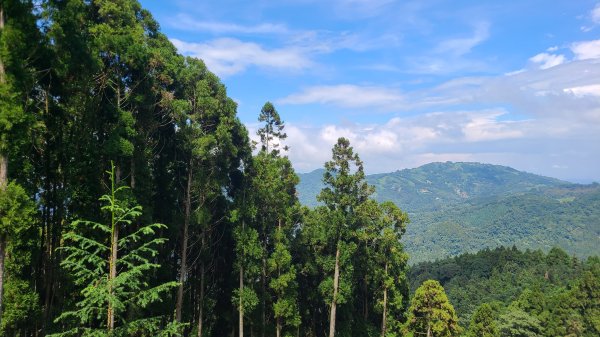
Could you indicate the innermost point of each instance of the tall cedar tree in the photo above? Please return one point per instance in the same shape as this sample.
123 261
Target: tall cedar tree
275 191
345 190
382 228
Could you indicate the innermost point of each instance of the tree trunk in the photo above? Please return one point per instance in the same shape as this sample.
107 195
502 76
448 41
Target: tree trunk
384 314
278 318
3 180
186 224
202 281
429 330
336 281
132 173
241 309
2 255
264 292
113 274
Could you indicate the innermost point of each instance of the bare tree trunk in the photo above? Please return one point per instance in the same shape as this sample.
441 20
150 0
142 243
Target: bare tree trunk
202 281
186 224
428 330
264 293
278 318
384 314
2 255
112 274
132 173
336 282
241 309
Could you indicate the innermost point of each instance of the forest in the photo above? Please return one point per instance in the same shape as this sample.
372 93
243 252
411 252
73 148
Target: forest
133 203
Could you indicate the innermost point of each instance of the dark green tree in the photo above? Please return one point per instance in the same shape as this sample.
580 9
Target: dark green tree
517 323
483 322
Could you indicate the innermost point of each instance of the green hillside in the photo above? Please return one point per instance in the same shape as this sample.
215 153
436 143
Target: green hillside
567 217
465 207
546 286
437 186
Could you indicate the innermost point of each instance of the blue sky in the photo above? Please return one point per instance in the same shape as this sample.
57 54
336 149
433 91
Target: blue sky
514 83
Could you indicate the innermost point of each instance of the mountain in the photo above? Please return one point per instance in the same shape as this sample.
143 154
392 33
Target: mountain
437 186
465 207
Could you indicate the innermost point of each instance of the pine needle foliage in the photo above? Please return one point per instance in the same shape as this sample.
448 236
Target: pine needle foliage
88 257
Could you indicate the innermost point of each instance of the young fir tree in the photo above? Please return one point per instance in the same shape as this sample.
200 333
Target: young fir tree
431 313
345 190
112 272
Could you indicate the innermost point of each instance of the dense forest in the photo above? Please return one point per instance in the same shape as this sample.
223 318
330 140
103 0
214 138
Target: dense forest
507 292
465 207
133 203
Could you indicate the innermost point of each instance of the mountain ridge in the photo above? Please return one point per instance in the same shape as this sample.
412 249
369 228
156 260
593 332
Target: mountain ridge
461 207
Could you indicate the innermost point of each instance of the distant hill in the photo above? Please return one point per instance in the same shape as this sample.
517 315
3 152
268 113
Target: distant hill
465 207
437 186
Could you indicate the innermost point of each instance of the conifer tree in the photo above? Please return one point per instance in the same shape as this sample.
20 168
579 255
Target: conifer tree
483 322
345 190
112 272
382 228
431 313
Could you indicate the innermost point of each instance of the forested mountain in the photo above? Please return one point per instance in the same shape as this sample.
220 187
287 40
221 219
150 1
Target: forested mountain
133 203
465 207
437 186
528 292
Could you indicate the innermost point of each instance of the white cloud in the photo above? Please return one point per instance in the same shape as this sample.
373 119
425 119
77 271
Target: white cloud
487 127
586 90
462 46
586 50
228 56
595 14
348 96
186 22
546 61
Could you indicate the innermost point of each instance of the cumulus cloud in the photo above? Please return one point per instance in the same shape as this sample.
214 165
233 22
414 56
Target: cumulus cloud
227 56
585 90
545 60
586 50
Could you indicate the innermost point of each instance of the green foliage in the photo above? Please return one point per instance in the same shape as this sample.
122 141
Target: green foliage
466 207
17 230
89 244
516 323
483 322
430 311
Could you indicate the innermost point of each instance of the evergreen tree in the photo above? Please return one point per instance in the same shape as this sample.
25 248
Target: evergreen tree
483 323
383 227
517 323
112 272
17 214
345 190
431 313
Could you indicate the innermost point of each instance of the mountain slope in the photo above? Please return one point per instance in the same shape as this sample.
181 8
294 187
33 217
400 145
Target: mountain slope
437 186
465 207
